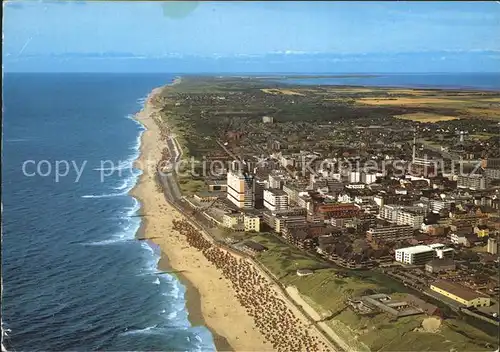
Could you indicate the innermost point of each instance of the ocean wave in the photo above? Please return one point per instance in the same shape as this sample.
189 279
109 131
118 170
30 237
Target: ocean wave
16 140
128 183
142 101
157 281
138 123
148 248
130 227
131 211
172 315
147 330
105 242
124 185
175 291
109 195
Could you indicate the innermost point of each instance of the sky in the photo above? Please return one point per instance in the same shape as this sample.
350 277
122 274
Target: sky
259 35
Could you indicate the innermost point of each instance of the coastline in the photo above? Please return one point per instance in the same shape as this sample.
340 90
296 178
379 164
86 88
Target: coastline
210 300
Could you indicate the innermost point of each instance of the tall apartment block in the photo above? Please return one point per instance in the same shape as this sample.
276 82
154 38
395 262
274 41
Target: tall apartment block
240 189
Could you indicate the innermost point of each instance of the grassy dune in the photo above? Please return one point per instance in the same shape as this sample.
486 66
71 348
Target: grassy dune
426 117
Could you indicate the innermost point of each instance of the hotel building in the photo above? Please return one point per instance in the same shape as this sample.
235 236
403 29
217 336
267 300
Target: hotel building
240 190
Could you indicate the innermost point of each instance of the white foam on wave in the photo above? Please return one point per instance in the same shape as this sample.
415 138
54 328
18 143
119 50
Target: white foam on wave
109 195
157 281
105 242
133 209
148 330
127 234
172 315
124 185
175 291
128 183
142 101
16 140
137 122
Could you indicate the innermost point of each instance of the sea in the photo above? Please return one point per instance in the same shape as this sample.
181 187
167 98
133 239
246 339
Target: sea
74 275
473 81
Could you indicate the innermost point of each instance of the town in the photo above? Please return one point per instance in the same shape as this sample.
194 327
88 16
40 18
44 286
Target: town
410 194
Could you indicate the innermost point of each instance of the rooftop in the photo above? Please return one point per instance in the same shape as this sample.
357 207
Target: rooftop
276 191
441 262
458 290
416 249
436 245
255 246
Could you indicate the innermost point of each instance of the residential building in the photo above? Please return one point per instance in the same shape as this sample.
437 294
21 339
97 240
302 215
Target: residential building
275 199
303 201
251 222
460 294
354 177
240 189
463 238
278 220
481 230
390 212
292 192
472 181
390 233
281 221
411 218
231 220
445 253
437 205
306 236
492 173
335 210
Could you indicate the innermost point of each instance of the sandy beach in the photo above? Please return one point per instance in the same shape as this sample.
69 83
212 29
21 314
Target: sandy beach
211 300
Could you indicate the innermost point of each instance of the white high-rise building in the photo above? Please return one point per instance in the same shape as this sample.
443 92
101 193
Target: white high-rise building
355 177
240 189
275 199
369 178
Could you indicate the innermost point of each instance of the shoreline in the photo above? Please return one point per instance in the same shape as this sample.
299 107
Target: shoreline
192 295
209 298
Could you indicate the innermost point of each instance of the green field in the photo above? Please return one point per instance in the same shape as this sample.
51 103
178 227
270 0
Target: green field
326 293
189 186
